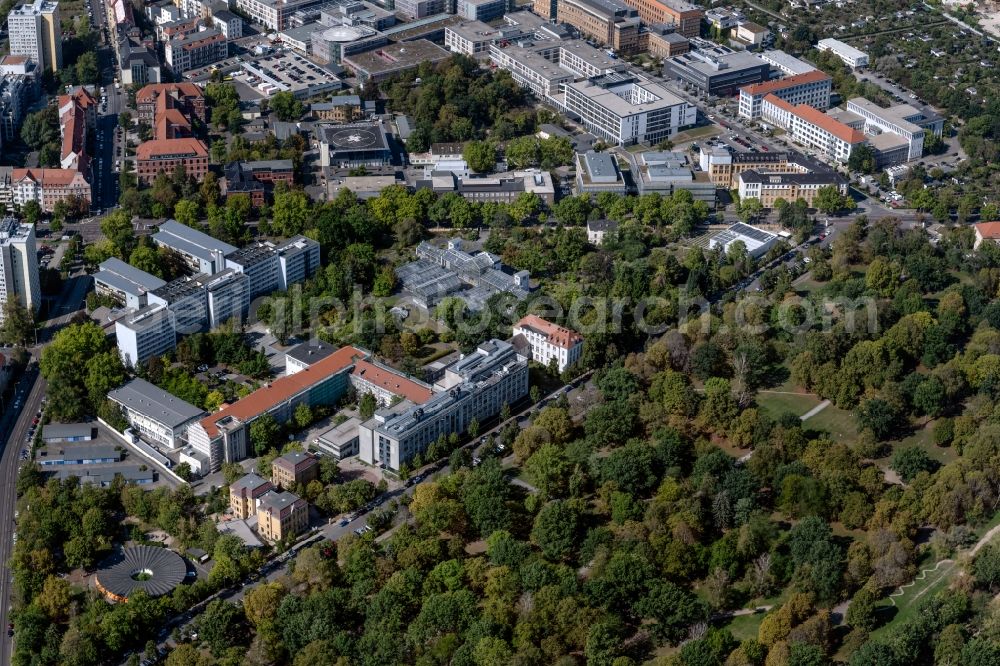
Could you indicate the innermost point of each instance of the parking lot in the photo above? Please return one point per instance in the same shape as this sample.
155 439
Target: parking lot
279 70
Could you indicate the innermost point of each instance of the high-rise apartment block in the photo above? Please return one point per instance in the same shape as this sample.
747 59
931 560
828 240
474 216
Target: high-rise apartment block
35 32
18 265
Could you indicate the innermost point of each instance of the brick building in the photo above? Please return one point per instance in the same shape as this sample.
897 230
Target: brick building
294 467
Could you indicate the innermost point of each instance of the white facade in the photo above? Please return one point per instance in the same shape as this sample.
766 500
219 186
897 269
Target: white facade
146 333
35 31
472 38
625 110
812 88
228 297
158 416
481 10
812 128
549 342
298 259
475 388
18 265
851 56
879 120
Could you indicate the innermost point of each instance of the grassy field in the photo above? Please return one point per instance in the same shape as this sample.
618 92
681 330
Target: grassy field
923 439
777 404
745 626
838 423
696 133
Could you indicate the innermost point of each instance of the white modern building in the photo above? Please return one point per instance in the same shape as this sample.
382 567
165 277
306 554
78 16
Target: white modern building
851 56
901 120
145 333
813 88
812 128
18 265
124 283
36 32
787 64
471 38
481 10
202 253
298 259
475 387
228 297
625 109
158 416
547 66
549 341
259 262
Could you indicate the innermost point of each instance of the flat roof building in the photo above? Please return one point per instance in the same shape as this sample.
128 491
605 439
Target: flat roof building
145 333
787 64
18 265
756 241
156 415
340 441
897 120
613 23
598 172
356 145
81 454
472 38
203 253
393 59
667 173
718 70
685 15
128 285
852 57
627 109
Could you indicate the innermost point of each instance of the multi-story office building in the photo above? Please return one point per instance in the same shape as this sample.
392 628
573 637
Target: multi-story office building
686 16
36 32
813 88
145 333
474 388
259 262
546 68
392 60
724 166
255 179
812 128
273 14
157 416
187 98
667 173
387 385
223 436
769 187
244 493
416 9
547 9
128 285
48 187
718 70
298 259
293 468
165 155
281 515
196 50
627 109
665 42
358 144
18 265
471 38
901 120
611 22
201 252
187 302
481 10
851 56
549 342
228 297
599 172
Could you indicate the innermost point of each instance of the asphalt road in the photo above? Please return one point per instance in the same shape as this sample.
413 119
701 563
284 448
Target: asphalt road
14 425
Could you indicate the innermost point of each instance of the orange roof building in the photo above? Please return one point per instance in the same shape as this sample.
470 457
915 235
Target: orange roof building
188 98
169 107
811 127
813 88
225 435
549 341
387 385
986 231
165 155
48 186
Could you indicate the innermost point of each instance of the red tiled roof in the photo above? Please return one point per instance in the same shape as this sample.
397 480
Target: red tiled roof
818 118
151 149
45 176
781 84
392 382
149 92
282 389
988 229
557 335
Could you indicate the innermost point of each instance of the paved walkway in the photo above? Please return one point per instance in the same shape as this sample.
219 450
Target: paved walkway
815 410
